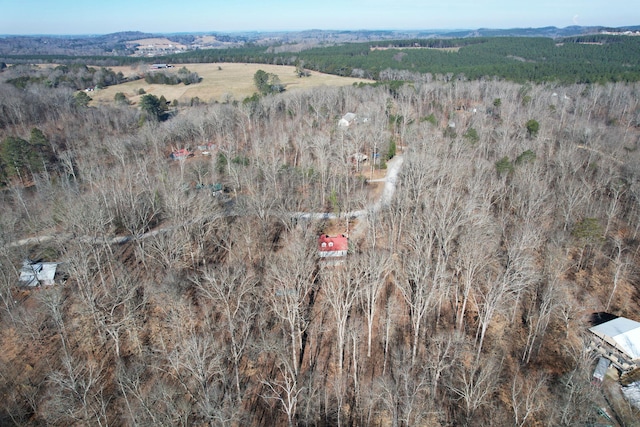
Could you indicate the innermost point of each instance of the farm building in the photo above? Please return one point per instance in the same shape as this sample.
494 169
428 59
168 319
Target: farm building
34 274
619 341
333 246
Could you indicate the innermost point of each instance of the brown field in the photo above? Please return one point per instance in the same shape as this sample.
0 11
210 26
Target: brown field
220 82
158 42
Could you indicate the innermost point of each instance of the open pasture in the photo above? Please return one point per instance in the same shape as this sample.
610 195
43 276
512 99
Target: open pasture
220 82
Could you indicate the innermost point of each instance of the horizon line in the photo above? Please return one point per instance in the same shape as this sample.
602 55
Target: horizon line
307 30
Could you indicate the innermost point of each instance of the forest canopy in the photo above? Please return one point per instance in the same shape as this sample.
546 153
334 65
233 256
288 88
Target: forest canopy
520 59
594 58
481 223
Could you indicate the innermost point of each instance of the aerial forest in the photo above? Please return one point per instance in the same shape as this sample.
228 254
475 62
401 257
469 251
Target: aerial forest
190 292
580 59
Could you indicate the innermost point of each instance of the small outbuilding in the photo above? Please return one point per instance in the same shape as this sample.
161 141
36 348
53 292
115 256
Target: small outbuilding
357 158
33 274
600 371
347 120
205 149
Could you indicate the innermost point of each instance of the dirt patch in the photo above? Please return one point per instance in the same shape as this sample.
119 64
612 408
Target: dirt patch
157 42
617 406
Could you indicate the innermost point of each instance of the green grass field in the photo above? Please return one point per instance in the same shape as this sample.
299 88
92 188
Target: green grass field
220 82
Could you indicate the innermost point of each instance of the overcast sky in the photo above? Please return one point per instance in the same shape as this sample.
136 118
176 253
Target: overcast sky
100 17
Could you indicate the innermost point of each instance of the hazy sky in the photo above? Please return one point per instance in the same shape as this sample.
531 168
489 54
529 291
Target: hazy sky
100 17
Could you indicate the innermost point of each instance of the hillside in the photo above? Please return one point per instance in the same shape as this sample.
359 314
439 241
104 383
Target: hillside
194 291
136 43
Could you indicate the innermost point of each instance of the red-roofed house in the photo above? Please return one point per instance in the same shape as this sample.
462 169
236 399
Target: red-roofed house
333 246
181 154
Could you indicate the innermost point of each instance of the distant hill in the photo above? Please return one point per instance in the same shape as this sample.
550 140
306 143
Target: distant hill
102 45
553 32
120 44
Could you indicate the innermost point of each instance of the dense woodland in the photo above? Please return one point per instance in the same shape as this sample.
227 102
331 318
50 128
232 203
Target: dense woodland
462 301
584 59
580 59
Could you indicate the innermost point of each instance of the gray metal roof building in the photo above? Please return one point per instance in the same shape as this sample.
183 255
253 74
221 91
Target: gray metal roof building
623 334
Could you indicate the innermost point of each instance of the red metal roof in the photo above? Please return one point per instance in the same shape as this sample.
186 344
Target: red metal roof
180 154
333 245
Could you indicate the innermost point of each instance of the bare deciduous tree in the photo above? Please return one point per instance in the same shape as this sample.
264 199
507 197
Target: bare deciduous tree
526 398
404 394
230 288
371 269
473 383
285 390
291 286
416 283
340 290
488 299
80 394
475 254
621 265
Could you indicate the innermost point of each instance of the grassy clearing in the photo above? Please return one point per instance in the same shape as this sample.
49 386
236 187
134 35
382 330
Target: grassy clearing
220 82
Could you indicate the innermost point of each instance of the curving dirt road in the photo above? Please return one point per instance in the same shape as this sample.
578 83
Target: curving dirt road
390 180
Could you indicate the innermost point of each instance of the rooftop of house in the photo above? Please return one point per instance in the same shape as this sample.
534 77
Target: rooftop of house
37 273
347 119
181 154
333 245
621 333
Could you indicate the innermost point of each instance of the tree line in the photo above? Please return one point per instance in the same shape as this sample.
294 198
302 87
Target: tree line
74 76
183 75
